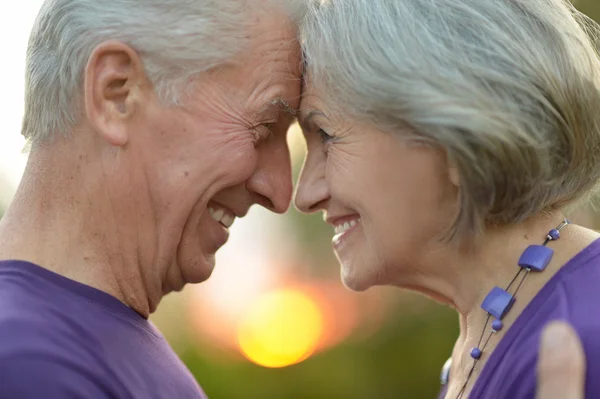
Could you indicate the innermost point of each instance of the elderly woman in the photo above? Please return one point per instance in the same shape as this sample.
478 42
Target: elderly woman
446 141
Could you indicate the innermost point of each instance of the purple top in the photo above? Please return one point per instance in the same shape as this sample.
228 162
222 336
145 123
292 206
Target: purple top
63 339
573 295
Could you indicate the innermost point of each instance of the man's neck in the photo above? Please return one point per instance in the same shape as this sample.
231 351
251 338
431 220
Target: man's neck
68 232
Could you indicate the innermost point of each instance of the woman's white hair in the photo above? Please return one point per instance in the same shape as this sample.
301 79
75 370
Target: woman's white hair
509 88
176 40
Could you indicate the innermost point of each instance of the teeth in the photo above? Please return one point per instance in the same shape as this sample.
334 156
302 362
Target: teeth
342 228
218 215
227 220
222 216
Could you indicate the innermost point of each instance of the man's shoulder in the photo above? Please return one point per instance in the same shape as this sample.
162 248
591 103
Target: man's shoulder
71 340
26 318
35 306
23 326
36 373
22 291
35 324
44 353
41 356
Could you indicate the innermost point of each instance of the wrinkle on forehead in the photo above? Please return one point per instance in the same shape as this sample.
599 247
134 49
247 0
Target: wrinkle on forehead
272 65
275 37
281 60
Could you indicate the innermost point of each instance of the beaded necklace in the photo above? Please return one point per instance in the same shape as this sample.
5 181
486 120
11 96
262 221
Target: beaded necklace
499 301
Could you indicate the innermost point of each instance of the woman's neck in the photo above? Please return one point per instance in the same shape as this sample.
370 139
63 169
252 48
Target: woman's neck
462 276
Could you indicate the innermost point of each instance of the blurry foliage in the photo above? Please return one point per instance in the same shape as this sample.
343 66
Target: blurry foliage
590 7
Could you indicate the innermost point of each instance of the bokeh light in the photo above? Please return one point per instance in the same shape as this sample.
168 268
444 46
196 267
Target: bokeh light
282 328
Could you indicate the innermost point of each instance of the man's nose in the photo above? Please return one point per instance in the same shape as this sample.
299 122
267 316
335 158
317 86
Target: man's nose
271 183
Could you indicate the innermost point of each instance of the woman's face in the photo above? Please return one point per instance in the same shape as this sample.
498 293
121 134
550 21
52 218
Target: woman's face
388 198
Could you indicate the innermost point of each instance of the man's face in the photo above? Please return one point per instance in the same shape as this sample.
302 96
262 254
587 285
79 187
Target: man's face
207 162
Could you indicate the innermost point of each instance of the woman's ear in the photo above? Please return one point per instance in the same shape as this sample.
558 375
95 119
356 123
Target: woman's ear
454 175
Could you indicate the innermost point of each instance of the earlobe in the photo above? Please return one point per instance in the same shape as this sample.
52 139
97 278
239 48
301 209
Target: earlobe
112 76
453 172
454 176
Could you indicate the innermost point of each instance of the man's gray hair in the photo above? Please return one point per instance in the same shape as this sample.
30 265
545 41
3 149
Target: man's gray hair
509 88
176 40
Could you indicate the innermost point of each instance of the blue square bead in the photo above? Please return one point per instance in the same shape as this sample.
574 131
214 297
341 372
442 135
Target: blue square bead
497 302
536 257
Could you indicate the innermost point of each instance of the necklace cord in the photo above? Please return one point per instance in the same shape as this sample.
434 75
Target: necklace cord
552 235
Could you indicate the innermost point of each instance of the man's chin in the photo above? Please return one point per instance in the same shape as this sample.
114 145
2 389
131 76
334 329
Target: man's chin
202 270
194 272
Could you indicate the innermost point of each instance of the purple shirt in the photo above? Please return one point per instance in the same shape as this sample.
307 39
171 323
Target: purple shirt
573 295
63 339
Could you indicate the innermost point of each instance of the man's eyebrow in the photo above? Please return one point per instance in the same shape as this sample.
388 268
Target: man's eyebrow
283 105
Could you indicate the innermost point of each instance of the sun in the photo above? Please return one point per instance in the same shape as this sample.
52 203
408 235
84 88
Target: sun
281 328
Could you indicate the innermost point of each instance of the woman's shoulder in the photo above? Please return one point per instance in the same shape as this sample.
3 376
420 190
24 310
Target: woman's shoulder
511 372
574 292
572 295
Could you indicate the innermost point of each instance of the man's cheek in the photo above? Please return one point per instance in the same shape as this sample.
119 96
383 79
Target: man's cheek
238 166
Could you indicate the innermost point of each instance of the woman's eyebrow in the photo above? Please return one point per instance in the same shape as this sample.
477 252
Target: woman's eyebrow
304 121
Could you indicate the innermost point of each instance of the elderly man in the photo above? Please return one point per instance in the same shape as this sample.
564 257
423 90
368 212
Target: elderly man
153 125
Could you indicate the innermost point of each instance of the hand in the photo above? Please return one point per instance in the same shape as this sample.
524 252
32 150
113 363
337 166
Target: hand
561 364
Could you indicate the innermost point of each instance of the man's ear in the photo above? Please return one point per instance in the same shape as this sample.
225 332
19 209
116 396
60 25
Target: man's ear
113 77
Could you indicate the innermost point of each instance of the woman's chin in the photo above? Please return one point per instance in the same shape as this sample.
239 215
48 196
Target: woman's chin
355 280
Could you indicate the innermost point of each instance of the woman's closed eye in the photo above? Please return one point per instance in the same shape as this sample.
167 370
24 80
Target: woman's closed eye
325 137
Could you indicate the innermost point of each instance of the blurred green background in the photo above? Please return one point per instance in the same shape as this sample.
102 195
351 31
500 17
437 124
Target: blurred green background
394 348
